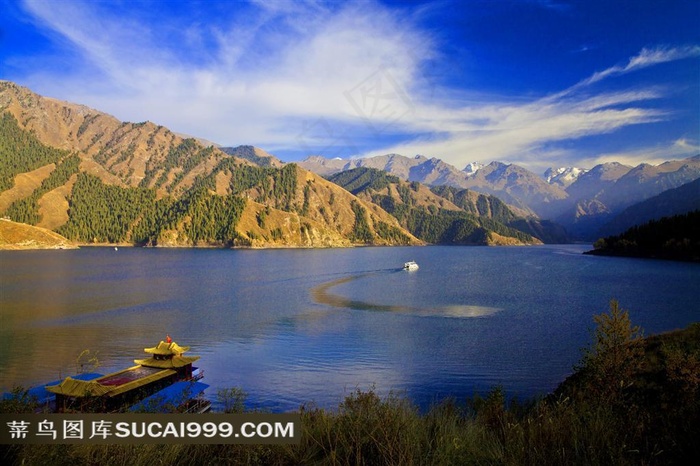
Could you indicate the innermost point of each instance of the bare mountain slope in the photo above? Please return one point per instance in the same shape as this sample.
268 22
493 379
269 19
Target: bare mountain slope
255 155
514 185
15 236
608 189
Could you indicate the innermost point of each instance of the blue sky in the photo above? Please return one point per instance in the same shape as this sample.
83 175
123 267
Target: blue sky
539 83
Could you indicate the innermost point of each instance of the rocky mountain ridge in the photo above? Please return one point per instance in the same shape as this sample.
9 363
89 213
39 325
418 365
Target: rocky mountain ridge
255 155
580 200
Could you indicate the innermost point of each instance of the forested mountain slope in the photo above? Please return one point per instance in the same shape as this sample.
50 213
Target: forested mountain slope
442 216
94 179
676 237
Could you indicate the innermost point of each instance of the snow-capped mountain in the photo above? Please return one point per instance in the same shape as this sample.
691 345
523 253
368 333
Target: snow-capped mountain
563 176
472 168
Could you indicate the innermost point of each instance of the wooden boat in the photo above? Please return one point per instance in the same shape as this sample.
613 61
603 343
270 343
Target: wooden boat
166 367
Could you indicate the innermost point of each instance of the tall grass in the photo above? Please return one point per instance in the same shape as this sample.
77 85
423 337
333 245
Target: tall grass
366 429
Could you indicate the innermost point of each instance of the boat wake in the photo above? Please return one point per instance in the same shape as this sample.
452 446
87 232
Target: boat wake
322 294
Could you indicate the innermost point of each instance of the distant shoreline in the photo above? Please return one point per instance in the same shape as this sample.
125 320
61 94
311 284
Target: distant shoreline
642 255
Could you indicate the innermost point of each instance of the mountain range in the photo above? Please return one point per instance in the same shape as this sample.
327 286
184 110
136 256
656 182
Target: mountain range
94 179
585 202
447 215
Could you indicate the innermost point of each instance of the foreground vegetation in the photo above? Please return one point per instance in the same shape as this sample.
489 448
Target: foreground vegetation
632 400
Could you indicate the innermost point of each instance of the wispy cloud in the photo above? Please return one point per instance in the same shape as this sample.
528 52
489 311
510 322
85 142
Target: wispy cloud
313 76
288 60
516 131
646 58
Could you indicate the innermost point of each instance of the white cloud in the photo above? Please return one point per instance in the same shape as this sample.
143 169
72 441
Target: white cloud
350 70
510 130
517 131
290 60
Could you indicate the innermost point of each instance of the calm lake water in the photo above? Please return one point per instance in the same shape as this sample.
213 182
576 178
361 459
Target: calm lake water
295 326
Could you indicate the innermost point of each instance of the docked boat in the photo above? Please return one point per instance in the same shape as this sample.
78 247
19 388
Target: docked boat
165 381
411 265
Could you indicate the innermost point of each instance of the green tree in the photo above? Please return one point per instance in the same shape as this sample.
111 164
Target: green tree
361 231
616 353
21 151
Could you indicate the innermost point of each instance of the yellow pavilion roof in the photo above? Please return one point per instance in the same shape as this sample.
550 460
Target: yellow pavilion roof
165 349
172 363
75 387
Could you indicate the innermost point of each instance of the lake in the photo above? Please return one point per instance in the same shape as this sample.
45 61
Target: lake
312 325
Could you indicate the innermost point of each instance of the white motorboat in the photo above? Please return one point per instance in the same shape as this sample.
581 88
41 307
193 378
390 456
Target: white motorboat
410 266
